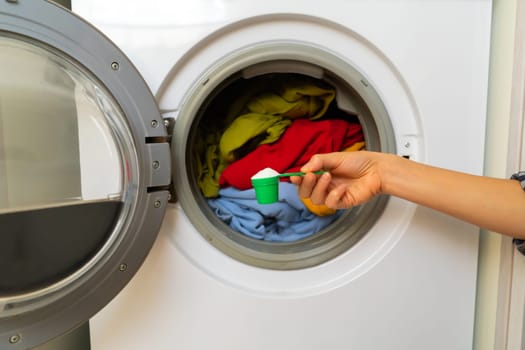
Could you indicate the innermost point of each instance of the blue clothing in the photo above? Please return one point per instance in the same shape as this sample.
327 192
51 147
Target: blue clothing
287 220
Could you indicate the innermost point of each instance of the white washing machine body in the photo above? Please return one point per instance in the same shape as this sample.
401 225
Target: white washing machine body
410 282
386 275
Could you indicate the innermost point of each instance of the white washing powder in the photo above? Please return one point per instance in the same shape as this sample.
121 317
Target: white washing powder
266 172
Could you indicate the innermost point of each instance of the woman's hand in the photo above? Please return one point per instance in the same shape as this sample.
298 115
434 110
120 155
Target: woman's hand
351 179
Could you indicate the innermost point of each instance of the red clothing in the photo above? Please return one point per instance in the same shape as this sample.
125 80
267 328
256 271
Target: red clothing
301 140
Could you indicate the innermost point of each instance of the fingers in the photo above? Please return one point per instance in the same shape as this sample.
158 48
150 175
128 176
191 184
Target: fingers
321 188
334 199
296 180
314 187
315 163
322 162
350 180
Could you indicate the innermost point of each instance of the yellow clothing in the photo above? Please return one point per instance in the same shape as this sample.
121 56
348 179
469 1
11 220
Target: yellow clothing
358 146
319 210
258 116
208 164
294 100
247 127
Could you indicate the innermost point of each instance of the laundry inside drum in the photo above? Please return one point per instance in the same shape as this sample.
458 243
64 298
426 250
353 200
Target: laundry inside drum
276 121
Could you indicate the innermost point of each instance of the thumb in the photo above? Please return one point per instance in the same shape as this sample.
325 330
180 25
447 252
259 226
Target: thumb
321 162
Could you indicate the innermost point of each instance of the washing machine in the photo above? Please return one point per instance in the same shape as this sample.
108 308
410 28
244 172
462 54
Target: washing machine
103 113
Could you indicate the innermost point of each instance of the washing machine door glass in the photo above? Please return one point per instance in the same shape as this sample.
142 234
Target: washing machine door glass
62 172
84 172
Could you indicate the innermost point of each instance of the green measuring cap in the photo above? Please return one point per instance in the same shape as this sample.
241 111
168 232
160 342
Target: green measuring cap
266 189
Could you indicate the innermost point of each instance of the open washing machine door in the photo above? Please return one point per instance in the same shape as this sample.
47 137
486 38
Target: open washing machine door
84 172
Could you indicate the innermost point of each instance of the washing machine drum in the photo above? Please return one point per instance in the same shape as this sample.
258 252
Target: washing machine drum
84 171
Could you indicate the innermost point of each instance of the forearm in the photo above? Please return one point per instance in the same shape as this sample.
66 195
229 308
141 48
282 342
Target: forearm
495 204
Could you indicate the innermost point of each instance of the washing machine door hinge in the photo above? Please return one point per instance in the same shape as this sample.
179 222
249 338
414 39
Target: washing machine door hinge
169 123
160 149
